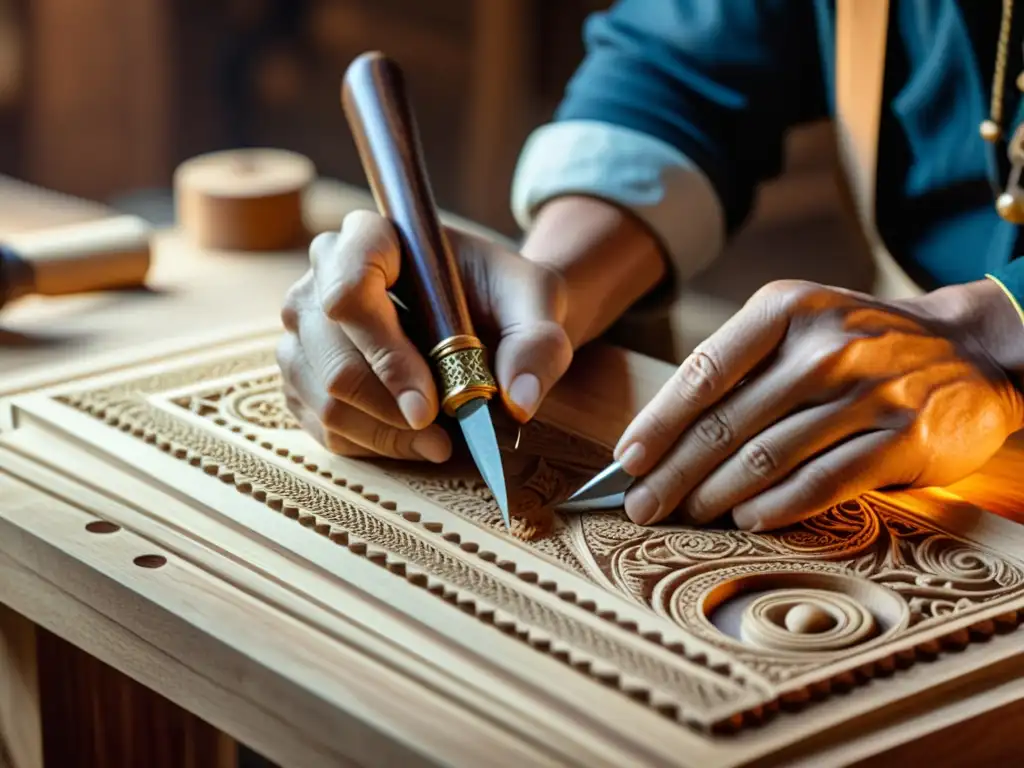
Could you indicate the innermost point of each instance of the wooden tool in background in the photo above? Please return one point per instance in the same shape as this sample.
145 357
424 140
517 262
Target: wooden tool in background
99 255
244 199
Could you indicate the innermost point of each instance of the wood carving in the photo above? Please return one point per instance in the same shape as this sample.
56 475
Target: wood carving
711 630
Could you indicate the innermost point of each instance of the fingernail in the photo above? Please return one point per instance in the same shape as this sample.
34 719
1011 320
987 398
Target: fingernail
641 505
524 395
433 445
414 408
632 459
746 521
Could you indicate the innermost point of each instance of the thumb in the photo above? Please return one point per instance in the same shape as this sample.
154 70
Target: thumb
534 350
530 359
525 303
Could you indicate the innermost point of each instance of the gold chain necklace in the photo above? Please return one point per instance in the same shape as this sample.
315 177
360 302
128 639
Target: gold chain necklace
1010 204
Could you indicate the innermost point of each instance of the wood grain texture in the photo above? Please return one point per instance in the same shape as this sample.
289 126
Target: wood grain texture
386 599
100 103
21 743
98 717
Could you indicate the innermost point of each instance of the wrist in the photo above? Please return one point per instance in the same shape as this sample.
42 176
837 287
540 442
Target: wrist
986 313
607 258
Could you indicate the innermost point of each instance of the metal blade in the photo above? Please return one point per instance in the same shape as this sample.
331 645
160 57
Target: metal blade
614 501
478 428
610 481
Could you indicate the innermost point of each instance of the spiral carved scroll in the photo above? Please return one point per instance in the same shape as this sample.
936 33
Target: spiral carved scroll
806 621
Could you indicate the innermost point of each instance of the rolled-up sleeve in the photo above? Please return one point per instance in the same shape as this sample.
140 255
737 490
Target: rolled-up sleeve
678 113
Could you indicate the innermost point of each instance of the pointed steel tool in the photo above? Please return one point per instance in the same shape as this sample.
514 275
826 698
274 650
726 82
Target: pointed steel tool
606 490
374 99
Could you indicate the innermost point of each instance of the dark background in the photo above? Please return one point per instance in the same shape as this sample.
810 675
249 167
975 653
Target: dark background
103 98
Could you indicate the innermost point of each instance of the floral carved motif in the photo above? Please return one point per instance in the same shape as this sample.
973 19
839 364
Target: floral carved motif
925 574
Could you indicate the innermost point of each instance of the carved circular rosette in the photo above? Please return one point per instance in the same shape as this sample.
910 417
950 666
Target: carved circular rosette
806 620
262 406
785 609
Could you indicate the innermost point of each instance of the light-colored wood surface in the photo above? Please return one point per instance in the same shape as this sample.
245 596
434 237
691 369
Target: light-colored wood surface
275 614
340 610
190 292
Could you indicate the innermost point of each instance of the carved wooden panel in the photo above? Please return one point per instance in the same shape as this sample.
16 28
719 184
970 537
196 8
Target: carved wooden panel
662 639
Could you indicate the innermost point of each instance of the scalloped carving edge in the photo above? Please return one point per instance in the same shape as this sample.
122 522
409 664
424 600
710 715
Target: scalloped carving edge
108 404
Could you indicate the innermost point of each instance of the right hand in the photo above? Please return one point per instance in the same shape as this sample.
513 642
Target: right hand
354 380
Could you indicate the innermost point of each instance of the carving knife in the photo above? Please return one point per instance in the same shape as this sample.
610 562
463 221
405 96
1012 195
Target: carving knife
606 490
378 111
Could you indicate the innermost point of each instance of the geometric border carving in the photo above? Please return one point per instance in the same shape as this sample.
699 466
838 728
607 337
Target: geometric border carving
673 572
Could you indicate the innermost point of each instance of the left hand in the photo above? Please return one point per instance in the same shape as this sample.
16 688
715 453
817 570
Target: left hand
810 396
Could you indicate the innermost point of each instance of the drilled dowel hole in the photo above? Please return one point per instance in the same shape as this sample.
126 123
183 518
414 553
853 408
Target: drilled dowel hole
102 526
150 561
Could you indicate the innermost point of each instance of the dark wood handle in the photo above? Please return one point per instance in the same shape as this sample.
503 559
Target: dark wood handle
378 111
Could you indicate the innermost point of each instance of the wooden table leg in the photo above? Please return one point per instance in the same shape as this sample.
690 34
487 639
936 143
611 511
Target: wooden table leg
59 702
21 742
96 717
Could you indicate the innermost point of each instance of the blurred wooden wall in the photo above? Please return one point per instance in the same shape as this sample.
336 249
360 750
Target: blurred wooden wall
113 94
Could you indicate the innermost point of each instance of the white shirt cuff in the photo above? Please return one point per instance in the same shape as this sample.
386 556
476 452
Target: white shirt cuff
645 175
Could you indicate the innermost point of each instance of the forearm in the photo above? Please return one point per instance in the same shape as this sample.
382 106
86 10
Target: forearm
608 258
616 212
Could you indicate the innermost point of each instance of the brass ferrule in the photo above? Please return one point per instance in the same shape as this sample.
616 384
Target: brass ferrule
463 372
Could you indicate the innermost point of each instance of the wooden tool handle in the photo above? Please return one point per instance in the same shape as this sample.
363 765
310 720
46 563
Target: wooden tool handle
378 111
78 258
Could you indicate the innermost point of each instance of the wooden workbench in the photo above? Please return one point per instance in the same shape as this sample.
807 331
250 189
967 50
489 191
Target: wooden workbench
330 613
86 708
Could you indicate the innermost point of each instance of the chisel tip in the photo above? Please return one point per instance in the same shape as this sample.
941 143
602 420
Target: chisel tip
478 428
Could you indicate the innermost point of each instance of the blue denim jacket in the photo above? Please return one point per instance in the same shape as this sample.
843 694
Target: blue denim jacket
676 96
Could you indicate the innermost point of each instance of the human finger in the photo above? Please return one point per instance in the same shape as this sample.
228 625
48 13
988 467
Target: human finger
524 304
714 368
340 368
718 433
332 441
358 427
354 271
864 463
771 456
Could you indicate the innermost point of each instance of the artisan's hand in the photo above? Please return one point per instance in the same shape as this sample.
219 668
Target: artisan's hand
356 382
810 396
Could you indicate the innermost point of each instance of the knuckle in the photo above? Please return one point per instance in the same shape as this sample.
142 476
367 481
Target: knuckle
341 298
671 477
328 412
791 294
714 431
760 459
819 482
286 356
296 297
290 318
384 439
656 426
385 362
345 372
322 245
698 378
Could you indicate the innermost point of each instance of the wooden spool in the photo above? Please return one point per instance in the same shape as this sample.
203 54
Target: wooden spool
244 200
